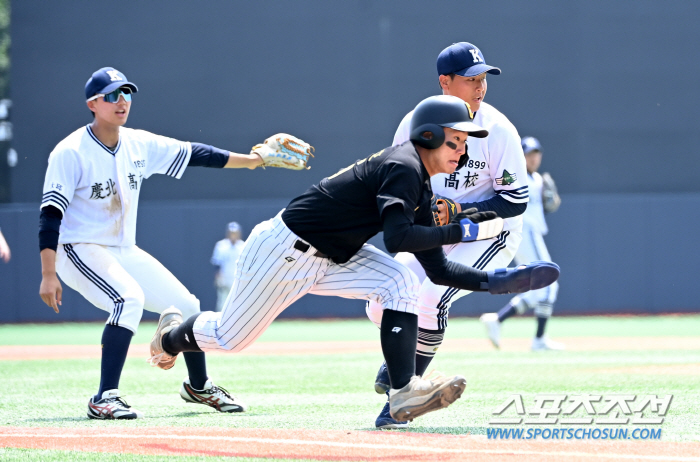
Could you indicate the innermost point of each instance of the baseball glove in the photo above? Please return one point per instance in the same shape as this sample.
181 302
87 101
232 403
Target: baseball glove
284 151
550 197
443 209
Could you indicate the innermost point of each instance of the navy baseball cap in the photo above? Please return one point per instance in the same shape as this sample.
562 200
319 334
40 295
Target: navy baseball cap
463 59
106 80
530 144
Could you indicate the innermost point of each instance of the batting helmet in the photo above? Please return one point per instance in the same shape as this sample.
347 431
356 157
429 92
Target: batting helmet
530 143
436 112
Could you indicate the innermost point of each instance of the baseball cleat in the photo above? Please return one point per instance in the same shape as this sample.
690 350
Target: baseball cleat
421 396
382 384
386 422
544 343
212 396
532 276
493 327
111 407
169 320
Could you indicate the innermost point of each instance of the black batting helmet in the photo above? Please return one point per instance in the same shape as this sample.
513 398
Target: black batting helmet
436 112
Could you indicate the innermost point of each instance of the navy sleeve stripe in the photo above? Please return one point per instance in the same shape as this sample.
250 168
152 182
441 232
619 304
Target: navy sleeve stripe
53 196
177 163
513 194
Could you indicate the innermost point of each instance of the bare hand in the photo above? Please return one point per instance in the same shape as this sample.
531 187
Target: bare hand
51 291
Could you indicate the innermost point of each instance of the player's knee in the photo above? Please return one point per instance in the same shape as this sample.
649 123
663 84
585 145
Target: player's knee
520 305
374 312
432 295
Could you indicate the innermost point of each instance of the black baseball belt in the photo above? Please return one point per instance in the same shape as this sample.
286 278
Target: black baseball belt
304 247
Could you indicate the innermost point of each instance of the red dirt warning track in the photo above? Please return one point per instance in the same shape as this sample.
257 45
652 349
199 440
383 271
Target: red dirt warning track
333 445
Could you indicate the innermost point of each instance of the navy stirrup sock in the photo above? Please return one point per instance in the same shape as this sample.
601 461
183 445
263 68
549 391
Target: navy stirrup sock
115 346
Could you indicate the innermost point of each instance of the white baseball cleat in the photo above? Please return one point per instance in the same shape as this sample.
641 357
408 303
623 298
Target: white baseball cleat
421 396
111 407
493 328
212 396
546 344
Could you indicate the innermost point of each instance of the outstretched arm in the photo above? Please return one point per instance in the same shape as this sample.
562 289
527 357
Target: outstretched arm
204 155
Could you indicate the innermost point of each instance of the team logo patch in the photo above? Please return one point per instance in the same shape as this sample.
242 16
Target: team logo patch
507 178
396 330
289 259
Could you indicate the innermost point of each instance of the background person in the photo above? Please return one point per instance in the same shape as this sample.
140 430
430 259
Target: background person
226 252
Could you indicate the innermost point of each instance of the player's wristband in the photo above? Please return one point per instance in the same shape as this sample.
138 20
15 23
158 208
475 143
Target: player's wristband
479 231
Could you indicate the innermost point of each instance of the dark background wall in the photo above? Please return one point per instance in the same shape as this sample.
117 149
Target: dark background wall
608 87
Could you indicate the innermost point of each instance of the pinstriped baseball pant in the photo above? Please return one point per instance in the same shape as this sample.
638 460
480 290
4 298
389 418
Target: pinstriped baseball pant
435 300
271 274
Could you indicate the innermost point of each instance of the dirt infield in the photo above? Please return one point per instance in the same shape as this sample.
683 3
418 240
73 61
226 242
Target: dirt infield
28 352
333 445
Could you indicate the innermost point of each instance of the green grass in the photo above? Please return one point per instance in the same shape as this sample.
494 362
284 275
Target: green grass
336 391
362 329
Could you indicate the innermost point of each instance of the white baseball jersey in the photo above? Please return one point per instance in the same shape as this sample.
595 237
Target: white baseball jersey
533 217
97 189
496 164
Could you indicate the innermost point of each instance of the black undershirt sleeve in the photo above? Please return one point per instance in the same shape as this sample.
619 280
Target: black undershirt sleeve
443 272
503 207
49 224
401 235
204 155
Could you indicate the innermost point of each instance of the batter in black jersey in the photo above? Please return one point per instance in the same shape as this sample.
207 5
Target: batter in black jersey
318 245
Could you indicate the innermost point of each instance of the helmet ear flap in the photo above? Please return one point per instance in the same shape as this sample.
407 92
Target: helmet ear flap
429 136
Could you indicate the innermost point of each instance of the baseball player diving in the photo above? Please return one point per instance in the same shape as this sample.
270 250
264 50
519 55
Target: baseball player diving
306 248
87 234
544 198
493 178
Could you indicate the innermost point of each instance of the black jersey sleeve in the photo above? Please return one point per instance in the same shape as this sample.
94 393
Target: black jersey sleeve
401 185
443 272
401 235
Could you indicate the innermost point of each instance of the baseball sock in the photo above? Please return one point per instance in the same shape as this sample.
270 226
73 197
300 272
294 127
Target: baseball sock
181 338
115 346
541 323
399 333
197 368
428 343
506 312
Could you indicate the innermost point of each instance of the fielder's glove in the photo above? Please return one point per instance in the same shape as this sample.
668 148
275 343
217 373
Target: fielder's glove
550 197
444 209
476 226
284 151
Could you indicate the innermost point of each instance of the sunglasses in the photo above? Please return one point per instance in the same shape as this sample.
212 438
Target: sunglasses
114 96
